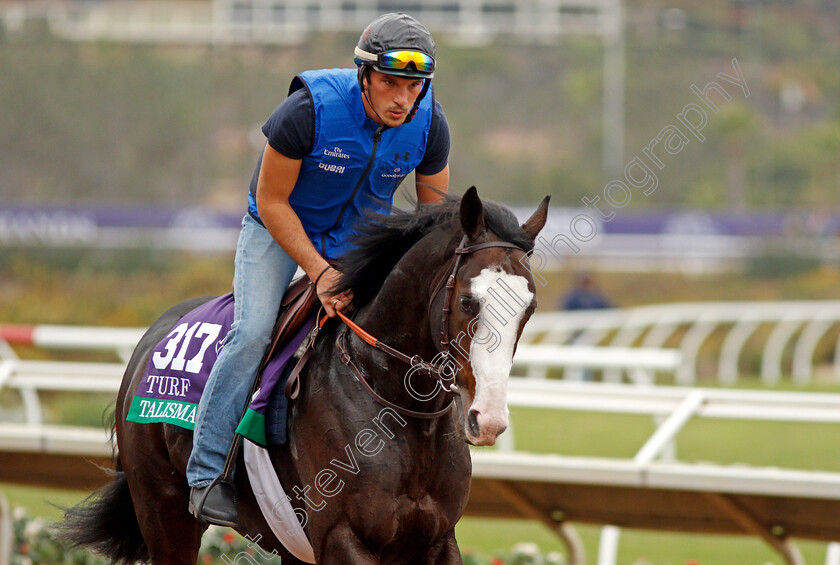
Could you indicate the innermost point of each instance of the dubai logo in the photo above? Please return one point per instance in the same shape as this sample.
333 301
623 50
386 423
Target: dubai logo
332 168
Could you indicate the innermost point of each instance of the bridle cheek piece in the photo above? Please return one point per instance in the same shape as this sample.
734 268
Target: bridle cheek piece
438 371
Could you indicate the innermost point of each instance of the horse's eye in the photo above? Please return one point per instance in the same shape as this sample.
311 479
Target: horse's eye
468 305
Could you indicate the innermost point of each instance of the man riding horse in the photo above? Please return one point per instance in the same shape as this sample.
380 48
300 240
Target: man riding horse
338 146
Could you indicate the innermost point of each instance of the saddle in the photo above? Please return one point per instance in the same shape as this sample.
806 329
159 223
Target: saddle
299 303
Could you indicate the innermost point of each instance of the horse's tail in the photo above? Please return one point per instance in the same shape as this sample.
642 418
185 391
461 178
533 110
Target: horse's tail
105 522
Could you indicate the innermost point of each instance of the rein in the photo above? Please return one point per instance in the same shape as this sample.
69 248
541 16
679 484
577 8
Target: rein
348 360
434 371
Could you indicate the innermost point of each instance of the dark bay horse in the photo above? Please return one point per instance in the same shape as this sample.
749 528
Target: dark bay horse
374 485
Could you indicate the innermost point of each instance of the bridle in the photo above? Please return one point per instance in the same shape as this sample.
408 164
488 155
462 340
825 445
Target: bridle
435 371
462 250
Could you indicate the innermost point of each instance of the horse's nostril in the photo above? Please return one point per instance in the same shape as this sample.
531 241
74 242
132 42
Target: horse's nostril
472 420
501 431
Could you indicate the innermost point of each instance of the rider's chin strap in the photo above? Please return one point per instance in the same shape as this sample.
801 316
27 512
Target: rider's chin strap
363 73
426 84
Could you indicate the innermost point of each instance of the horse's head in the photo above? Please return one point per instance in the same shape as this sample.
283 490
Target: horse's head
492 299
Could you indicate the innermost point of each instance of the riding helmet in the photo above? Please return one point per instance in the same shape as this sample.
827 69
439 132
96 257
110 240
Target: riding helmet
395 32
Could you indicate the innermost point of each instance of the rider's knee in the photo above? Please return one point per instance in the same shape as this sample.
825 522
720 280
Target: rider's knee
251 335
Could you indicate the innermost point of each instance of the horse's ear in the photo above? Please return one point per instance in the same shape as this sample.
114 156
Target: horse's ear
536 222
472 214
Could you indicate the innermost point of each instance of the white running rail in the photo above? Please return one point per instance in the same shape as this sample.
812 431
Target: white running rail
804 324
634 336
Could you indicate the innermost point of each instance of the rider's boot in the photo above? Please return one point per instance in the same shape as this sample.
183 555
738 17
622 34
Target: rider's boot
215 503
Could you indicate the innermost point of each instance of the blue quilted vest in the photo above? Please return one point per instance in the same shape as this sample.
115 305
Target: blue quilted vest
350 169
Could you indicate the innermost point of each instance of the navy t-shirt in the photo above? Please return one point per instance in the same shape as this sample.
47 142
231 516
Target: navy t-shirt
291 131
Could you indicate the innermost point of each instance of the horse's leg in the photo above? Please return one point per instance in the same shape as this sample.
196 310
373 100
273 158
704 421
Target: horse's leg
446 552
161 495
341 546
175 537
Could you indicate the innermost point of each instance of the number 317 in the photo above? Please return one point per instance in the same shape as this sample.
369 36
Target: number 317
183 334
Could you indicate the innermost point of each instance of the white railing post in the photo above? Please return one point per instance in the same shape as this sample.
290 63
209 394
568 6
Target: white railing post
774 347
730 351
665 433
32 406
691 344
5 531
803 354
832 554
608 545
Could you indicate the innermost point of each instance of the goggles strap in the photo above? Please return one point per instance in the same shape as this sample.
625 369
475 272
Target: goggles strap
363 57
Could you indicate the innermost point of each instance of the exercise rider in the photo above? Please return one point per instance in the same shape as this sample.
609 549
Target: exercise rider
338 145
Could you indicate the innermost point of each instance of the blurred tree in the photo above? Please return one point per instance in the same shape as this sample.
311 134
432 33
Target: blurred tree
93 122
781 168
735 124
824 141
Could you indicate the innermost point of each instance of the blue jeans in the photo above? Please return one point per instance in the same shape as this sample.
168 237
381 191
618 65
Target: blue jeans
262 272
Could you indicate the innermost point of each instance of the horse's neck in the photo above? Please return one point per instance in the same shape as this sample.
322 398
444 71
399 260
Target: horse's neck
400 311
399 317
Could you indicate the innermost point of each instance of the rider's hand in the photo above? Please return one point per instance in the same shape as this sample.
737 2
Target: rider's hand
330 301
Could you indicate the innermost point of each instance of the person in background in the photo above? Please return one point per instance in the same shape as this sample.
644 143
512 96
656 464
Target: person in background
585 295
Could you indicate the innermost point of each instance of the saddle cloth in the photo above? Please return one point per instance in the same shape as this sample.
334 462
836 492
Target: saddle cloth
180 364
177 372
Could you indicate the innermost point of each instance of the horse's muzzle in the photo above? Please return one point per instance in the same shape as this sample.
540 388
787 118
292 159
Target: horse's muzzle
483 431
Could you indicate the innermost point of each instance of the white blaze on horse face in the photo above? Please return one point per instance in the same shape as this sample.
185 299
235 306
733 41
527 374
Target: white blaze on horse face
504 298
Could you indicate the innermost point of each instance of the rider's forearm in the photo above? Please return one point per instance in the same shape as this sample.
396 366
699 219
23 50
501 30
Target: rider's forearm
430 188
285 227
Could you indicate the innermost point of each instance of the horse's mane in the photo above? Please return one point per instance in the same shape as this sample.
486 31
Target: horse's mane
382 239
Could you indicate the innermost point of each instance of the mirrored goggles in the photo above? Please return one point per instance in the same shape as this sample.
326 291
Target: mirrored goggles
400 61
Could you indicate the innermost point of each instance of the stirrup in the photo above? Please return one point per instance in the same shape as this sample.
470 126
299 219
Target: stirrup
197 510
